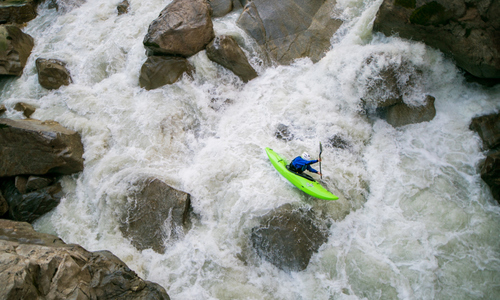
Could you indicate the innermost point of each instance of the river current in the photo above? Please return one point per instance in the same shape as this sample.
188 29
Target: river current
414 219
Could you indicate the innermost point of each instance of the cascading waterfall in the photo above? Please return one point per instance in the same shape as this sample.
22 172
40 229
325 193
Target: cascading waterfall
414 219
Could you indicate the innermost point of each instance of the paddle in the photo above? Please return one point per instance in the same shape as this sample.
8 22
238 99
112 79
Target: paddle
320 150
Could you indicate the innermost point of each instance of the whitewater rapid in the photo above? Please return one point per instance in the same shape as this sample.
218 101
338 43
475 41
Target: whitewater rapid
414 219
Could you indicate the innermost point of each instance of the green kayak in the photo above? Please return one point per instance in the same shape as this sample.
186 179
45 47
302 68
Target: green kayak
304 182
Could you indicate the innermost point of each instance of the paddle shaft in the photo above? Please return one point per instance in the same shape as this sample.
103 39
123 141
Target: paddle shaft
320 150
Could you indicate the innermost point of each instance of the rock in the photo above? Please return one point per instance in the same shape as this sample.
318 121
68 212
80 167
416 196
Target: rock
158 71
338 141
221 8
490 173
41 266
156 213
402 114
225 51
28 207
26 108
288 237
18 11
183 28
122 7
290 29
2 109
468 31
283 133
52 73
36 182
488 128
4 206
15 48
38 147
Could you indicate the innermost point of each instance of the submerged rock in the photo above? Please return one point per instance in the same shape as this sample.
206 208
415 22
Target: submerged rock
283 133
290 29
183 28
15 48
468 31
41 266
288 237
156 214
158 71
52 73
36 147
225 51
122 7
401 114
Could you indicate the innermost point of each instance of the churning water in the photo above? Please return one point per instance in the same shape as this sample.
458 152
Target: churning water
414 219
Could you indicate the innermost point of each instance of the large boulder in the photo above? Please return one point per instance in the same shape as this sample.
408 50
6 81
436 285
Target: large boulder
38 147
225 51
15 48
52 73
41 266
290 29
288 238
155 215
401 114
18 11
183 28
158 71
468 31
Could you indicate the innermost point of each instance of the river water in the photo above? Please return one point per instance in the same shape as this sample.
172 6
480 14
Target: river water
414 219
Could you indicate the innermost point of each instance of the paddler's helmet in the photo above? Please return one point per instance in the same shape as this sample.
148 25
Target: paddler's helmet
306 156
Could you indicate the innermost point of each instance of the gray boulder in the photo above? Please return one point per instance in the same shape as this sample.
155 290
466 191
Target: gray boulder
52 73
290 29
288 237
468 31
183 28
156 214
225 51
15 48
38 147
158 71
18 12
41 266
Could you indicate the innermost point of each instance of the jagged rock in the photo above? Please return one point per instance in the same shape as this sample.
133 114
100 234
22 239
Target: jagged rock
37 148
26 108
18 11
41 266
123 7
288 238
156 213
15 48
290 29
183 28
402 114
158 71
283 133
468 31
52 73
488 128
225 51
28 207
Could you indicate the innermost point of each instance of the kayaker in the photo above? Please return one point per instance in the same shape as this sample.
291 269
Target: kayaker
302 163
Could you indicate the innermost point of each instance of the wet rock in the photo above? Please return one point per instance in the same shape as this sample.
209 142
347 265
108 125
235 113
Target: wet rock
402 114
288 237
41 266
183 28
338 141
158 71
156 214
38 147
225 51
26 108
488 128
18 12
490 173
221 8
122 7
52 73
2 109
28 207
283 133
290 29
468 31
15 48
4 206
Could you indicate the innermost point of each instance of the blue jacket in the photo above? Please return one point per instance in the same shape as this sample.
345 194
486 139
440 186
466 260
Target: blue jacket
301 164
